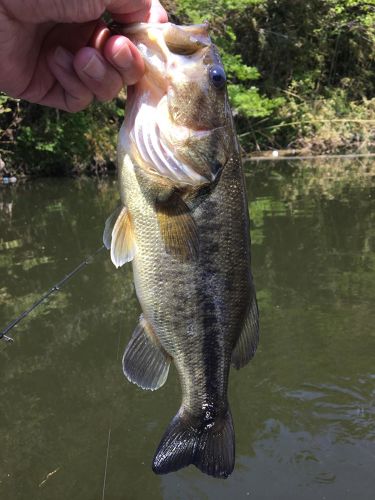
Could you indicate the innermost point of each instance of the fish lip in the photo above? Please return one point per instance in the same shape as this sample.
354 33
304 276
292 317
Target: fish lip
129 29
198 34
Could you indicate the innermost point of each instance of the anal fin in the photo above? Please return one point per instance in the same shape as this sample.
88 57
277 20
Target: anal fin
145 362
178 228
119 236
247 342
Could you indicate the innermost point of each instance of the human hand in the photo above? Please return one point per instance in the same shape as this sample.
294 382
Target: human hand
60 54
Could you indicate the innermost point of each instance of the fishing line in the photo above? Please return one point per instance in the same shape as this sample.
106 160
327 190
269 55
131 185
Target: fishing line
110 426
56 288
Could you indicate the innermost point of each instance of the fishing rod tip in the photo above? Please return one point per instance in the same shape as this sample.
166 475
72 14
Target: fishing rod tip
5 338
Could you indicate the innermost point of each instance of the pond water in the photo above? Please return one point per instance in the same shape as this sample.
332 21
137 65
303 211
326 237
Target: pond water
72 427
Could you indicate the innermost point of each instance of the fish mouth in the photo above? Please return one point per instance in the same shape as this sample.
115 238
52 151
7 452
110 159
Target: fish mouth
161 43
166 45
152 134
183 38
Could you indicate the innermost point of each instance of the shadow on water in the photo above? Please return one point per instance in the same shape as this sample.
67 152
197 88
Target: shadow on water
303 409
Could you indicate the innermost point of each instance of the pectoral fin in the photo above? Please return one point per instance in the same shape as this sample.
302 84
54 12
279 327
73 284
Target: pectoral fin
108 228
119 236
178 228
247 342
145 362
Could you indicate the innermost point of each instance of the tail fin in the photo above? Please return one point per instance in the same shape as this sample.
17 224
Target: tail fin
210 448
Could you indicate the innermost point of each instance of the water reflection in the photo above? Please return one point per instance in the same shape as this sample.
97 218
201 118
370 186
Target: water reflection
304 408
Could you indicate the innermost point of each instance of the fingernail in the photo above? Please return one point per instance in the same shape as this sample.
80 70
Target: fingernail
63 58
94 68
122 56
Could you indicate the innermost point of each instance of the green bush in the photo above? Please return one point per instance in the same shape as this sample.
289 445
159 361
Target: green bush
43 141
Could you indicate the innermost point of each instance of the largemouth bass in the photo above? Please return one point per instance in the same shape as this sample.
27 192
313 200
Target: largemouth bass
183 222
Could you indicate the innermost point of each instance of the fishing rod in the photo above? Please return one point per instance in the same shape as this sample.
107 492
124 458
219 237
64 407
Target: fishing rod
54 289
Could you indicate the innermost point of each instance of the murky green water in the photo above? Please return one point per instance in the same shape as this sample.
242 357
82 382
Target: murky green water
303 409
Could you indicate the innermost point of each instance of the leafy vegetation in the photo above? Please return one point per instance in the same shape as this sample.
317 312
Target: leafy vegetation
42 141
301 75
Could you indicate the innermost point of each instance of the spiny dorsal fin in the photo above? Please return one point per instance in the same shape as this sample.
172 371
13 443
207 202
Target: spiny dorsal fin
247 342
178 228
119 237
145 362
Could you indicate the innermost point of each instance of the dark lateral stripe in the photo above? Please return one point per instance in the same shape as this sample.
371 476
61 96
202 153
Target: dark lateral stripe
210 347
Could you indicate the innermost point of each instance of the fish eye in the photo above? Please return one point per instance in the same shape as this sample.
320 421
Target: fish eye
217 76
